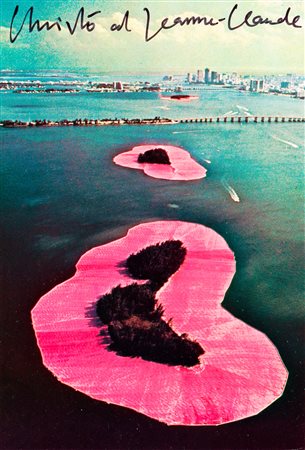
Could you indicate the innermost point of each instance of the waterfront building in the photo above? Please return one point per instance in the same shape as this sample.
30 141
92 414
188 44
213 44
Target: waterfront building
189 77
199 76
207 76
118 85
256 85
285 85
253 85
214 77
300 93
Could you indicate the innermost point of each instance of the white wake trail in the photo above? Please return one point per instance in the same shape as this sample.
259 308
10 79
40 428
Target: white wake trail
182 132
231 191
242 107
285 142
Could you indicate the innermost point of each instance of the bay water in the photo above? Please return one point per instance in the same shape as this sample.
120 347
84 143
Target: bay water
61 195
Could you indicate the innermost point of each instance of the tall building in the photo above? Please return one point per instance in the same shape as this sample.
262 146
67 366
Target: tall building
189 77
199 76
253 85
256 85
214 77
207 75
261 85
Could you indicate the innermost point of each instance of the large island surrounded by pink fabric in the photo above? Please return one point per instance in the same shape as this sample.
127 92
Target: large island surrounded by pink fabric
240 374
182 167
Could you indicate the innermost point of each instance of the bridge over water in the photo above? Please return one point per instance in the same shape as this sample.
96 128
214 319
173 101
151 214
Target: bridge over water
243 119
151 121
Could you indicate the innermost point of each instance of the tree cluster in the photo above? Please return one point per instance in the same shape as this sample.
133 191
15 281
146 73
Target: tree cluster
153 341
157 262
124 302
154 156
134 316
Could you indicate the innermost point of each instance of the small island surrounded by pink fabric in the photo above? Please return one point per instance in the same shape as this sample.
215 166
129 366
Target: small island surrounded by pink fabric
180 98
240 374
181 168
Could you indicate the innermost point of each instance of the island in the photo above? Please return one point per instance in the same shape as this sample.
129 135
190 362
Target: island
180 97
240 373
181 167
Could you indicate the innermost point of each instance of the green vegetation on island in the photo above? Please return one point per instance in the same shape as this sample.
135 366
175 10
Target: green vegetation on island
134 316
154 156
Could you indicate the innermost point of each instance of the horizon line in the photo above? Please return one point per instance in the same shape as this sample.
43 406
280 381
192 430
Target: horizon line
157 72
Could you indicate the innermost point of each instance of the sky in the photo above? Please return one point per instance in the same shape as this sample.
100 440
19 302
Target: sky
261 49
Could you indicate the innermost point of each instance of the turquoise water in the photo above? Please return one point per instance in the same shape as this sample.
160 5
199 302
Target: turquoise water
62 195
211 102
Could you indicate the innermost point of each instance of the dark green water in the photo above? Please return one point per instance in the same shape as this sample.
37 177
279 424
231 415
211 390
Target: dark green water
61 195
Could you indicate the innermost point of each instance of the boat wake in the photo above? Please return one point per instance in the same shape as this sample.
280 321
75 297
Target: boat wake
182 132
242 107
231 113
285 142
231 191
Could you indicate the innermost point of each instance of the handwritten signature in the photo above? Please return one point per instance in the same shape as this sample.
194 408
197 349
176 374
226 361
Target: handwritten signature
85 22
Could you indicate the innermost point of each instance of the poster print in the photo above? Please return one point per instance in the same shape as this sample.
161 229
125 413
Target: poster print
153 242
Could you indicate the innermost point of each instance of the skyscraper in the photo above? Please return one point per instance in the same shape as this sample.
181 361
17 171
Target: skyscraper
261 85
207 75
213 77
199 76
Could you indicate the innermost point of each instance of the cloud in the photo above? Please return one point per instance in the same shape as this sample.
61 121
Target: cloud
4 35
5 39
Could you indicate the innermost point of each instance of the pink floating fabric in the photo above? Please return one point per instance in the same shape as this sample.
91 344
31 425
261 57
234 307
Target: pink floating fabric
240 374
184 99
182 166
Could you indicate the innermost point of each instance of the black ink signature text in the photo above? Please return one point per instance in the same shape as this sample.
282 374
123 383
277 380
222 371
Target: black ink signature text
85 22
81 21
